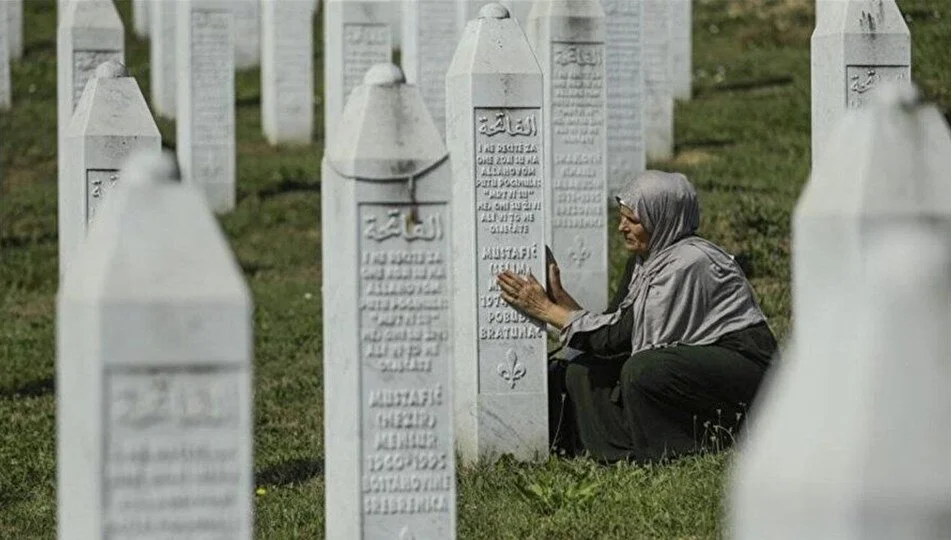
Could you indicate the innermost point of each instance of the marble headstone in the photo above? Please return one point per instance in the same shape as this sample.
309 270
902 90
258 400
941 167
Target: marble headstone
357 35
205 98
287 70
851 437
496 133
569 41
15 28
111 122
248 32
89 34
140 17
626 91
153 371
856 46
659 99
430 34
6 90
162 53
386 225
681 61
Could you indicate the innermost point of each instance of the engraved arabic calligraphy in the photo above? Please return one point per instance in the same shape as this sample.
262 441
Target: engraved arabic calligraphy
405 225
505 124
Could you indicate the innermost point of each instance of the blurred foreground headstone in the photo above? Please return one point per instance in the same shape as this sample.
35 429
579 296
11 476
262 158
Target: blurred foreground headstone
495 133
857 46
111 122
568 37
388 334
153 370
850 438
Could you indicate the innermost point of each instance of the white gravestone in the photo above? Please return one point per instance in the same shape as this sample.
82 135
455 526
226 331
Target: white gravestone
6 89
287 71
162 52
153 370
659 99
856 46
205 100
851 437
569 41
140 17
626 92
111 122
388 333
681 49
248 32
89 34
15 28
495 132
358 34
430 34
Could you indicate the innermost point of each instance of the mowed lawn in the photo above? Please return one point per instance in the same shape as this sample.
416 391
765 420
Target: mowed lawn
743 140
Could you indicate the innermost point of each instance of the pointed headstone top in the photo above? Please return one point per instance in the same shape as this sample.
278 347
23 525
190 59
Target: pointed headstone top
493 11
111 69
384 75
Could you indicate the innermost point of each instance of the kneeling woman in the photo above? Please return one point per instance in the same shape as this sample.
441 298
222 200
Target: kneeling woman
670 368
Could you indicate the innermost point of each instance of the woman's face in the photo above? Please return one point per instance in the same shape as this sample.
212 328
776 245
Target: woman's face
636 237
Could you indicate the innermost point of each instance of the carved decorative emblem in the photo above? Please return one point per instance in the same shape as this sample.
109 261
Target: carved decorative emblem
405 534
579 252
512 370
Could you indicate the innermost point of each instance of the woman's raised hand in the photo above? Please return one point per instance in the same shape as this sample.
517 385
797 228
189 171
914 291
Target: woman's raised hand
527 295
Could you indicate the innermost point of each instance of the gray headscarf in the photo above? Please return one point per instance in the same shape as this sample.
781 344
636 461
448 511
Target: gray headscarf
686 290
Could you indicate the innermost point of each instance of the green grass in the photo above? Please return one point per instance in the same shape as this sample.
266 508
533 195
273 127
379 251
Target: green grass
743 140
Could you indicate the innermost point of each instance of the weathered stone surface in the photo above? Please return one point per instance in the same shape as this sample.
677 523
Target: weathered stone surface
856 46
287 70
388 334
162 54
430 34
248 32
153 370
519 10
111 122
205 98
851 437
626 91
495 132
357 35
89 34
569 41
659 100
681 61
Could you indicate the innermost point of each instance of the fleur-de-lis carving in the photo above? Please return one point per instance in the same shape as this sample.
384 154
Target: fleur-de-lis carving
512 370
405 534
579 252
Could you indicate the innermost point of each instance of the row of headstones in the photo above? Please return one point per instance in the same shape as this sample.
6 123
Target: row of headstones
645 52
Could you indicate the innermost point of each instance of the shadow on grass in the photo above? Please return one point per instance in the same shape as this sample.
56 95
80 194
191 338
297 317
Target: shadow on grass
41 387
248 101
46 45
745 85
17 242
295 471
289 186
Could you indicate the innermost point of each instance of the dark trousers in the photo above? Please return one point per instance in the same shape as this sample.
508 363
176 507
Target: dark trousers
655 404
